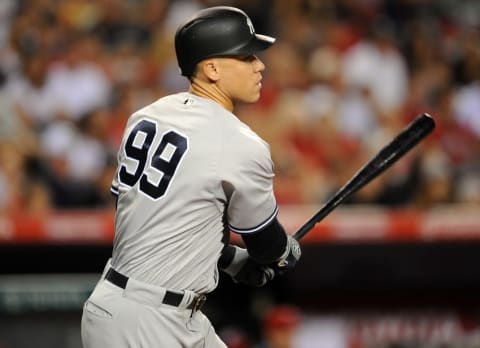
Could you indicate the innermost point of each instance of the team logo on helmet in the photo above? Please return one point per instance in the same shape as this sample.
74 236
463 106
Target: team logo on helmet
250 25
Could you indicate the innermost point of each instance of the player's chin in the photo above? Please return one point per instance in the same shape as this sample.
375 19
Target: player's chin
252 97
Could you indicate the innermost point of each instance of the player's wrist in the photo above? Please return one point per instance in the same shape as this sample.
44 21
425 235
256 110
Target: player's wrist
291 254
232 260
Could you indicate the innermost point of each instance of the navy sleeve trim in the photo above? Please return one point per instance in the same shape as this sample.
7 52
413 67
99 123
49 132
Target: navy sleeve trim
114 190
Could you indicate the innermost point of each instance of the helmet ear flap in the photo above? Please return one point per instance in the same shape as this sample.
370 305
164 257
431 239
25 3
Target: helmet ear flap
214 32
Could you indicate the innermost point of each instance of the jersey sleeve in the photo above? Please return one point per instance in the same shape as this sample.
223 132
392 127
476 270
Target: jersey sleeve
114 185
248 184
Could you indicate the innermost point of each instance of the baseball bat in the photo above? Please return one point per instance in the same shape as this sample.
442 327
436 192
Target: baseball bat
410 136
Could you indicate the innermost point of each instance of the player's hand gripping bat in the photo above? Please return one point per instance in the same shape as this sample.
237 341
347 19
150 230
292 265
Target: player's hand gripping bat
389 154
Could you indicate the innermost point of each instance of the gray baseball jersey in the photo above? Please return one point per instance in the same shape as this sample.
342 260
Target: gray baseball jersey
188 171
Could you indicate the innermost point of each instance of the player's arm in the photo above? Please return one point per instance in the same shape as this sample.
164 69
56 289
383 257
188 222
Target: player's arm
247 180
272 246
268 251
236 262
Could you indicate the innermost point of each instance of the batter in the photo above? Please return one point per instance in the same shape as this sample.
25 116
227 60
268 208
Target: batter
189 172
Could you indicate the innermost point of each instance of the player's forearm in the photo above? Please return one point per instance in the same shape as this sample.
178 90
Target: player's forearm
265 246
268 245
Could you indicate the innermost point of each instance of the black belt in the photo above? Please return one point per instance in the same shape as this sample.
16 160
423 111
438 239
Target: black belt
171 298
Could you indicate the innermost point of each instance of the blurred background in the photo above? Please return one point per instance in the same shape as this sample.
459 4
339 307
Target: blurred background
395 266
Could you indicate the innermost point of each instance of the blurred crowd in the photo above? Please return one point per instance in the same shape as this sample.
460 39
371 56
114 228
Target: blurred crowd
343 78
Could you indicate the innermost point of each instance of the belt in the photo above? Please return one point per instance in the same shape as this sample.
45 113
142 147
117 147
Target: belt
171 298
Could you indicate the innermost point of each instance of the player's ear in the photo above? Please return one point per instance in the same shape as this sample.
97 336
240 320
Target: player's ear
210 69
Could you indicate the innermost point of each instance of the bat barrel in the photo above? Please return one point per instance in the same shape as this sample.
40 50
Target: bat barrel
389 154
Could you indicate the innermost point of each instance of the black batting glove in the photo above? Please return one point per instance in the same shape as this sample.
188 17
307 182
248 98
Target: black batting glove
245 270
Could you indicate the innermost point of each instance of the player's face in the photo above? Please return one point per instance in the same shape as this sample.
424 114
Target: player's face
241 78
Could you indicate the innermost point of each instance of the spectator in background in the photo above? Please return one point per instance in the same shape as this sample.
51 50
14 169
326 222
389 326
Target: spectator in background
7 8
9 124
76 158
88 155
11 173
377 68
467 106
33 94
436 185
279 325
56 141
235 338
80 84
467 188
17 142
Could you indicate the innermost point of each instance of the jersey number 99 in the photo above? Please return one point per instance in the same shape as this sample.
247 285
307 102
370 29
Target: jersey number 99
164 161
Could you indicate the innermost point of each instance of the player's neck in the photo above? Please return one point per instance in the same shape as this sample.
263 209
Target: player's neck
211 91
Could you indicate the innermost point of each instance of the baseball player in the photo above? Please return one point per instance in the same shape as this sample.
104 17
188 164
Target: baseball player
189 172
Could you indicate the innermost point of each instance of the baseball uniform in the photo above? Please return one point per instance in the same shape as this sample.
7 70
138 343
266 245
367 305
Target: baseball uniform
188 172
